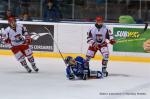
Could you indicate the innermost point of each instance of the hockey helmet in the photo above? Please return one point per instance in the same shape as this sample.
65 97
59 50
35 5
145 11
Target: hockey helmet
99 18
11 19
69 60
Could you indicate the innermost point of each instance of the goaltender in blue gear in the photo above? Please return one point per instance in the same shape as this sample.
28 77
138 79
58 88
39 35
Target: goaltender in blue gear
77 69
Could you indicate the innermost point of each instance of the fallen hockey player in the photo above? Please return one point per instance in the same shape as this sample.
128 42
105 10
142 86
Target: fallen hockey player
77 69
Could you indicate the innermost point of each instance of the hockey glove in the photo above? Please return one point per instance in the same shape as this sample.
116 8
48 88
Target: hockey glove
71 77
28 40
7 41
112 41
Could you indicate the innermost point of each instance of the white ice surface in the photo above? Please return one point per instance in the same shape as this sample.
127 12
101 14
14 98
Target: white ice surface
126 78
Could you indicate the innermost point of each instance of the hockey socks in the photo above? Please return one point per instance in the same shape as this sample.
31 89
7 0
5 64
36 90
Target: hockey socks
104 66
24 64
35 68
104 72
31 60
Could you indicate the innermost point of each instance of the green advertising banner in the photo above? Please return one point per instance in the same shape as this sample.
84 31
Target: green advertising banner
130 39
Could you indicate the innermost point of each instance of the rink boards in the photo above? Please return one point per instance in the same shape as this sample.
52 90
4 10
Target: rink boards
97 57
71 40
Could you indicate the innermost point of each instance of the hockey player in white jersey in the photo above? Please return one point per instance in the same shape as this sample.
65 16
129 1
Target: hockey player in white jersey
18 40
96 38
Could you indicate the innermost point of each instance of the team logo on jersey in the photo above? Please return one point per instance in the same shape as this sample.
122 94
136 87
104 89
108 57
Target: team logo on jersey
99 38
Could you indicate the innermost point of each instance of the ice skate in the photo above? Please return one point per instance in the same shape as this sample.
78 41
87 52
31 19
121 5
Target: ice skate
35 68
99 74
104 72
28 69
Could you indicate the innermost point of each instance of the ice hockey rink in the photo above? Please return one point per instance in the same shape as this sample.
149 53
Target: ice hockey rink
126 80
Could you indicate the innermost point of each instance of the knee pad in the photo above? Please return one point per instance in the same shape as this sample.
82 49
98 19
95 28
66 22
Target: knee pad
19 56
28 52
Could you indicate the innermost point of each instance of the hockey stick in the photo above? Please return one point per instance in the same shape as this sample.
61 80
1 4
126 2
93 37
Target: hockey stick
58 49
55 44
145 28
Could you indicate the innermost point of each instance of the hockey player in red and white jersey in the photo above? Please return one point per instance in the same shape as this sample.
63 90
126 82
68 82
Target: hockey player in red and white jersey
96 38
18 40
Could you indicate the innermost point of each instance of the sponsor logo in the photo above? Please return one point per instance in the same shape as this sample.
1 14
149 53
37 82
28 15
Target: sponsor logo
127 34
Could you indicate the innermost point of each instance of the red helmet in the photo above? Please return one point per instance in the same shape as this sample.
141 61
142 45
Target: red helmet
11 18
99 18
